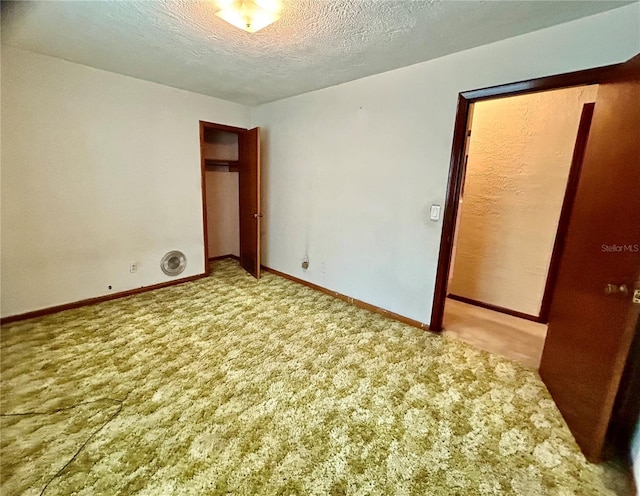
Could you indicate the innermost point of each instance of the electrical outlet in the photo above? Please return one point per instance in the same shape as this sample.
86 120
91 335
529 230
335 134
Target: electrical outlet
323 268
133 267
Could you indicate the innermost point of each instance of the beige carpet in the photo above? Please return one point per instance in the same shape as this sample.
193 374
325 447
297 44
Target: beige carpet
230 385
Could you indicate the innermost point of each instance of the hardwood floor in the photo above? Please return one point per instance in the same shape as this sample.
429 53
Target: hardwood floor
514 338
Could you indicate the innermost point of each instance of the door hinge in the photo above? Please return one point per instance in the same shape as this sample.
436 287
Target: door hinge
636 296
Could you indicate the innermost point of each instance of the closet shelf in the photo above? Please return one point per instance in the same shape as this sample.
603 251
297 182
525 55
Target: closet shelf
217 161
212 164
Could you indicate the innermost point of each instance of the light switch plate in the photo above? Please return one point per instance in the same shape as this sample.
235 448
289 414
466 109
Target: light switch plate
434 213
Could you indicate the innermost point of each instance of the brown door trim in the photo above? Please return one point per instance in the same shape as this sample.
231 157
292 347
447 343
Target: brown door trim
223 127
495 308
349 299
203 186
465 99
98 299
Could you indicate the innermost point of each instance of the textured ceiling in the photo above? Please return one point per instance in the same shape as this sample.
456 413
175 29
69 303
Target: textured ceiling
316 43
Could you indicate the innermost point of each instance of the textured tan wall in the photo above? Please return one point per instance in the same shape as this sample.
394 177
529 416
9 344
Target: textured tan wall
223 216
519 158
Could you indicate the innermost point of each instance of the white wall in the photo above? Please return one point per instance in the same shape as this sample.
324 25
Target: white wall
350 171
98 170
520 154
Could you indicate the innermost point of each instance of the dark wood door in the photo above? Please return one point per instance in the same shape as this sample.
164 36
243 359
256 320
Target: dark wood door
250 213
591 325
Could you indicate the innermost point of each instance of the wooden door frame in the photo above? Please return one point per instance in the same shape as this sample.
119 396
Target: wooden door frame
203 178
454 182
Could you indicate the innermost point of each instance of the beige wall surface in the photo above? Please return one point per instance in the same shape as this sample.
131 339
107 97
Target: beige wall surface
223 215
350 171
99 170
519 158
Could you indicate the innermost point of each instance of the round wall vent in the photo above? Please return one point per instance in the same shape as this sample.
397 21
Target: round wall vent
173 263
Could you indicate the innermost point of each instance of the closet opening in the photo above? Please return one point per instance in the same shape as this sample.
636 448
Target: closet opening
230 163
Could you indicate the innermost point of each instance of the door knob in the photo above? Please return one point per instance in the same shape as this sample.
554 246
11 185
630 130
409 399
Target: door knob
255 216
621 289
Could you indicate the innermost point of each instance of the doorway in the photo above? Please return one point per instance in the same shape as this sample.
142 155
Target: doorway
518 171
458 151
595 308
230 166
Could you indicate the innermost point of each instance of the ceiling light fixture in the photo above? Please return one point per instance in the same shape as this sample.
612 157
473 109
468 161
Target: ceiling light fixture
250 15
